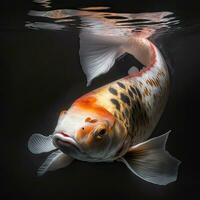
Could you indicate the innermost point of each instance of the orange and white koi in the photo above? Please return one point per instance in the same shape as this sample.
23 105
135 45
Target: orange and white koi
114 122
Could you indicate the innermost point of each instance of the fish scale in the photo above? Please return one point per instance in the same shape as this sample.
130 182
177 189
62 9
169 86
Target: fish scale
139 99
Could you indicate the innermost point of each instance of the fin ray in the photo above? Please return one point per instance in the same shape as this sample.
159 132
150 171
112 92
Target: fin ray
97 54
38 143
151 162
54 161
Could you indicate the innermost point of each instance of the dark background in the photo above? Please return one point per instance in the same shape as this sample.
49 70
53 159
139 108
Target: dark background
41 75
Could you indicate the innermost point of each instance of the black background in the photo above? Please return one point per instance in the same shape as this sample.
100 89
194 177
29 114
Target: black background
41 75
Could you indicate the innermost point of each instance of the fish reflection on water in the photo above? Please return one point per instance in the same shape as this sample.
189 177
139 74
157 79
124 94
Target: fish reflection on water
113 122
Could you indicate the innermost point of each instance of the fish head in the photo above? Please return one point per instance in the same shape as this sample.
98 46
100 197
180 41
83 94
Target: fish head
88 134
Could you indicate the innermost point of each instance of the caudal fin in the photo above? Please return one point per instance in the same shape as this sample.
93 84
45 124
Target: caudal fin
99 50
98 54
151 162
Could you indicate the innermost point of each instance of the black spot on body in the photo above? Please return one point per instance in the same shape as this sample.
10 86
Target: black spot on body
138 106
133 90
125 99
139 94
130 93
113 91
136 92
116 103
133 118
127 113
121 85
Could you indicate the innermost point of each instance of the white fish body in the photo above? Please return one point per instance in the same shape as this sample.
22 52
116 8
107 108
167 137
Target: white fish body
115 121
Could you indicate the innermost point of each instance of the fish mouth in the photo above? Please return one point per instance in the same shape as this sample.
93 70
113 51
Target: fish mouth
63 140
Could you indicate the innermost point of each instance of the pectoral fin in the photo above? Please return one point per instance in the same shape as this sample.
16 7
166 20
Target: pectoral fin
54 161
38 143
151 162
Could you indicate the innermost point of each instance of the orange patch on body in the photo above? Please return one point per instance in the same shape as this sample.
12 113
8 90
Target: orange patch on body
146 92
84 131
88 119
153 82
89 103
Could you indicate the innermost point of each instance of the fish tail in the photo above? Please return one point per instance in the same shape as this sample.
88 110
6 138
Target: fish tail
98 52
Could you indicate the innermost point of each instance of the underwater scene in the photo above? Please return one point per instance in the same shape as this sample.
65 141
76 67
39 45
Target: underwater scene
100 99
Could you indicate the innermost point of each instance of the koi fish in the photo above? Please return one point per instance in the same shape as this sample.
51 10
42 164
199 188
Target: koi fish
114 122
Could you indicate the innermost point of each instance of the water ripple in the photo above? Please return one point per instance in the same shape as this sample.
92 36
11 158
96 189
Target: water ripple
101 21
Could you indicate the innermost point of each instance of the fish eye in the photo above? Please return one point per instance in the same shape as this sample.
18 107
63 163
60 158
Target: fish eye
101 133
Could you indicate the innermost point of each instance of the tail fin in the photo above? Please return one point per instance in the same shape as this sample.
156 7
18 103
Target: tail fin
98 52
